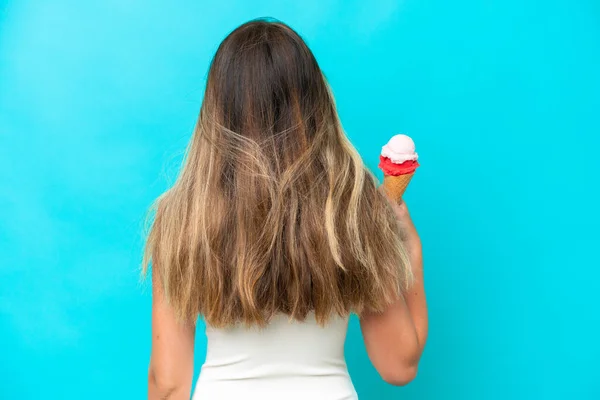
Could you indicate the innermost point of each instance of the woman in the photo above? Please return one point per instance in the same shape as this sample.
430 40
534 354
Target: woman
274 233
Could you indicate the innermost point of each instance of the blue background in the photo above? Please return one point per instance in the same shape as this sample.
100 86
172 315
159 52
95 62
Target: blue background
97 102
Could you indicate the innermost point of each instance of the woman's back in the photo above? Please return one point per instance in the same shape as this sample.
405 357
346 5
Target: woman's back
286 359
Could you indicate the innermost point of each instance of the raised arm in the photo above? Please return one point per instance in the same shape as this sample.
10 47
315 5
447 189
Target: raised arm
395 338
172 361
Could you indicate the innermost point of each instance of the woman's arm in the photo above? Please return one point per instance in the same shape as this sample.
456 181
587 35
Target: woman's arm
415 297
395 338
172 360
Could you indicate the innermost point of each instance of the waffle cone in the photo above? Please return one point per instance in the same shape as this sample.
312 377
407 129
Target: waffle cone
396 185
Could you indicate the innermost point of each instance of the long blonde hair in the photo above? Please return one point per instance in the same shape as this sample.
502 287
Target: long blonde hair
273 210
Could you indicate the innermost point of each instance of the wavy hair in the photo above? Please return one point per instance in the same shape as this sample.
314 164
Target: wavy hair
273 210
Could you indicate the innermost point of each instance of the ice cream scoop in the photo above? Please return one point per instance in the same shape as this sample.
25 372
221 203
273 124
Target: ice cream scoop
398 161
399 149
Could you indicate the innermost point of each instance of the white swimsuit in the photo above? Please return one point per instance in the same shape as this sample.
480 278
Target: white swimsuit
287 360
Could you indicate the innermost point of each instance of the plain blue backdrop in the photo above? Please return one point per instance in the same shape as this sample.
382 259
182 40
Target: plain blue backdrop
97 102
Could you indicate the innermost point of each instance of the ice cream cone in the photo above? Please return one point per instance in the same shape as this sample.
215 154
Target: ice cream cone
398 161
396 185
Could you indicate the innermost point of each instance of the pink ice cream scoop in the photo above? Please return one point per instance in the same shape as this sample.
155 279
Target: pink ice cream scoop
399 149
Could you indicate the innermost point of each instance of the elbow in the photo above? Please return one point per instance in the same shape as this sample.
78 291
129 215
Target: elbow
400 375
163 388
